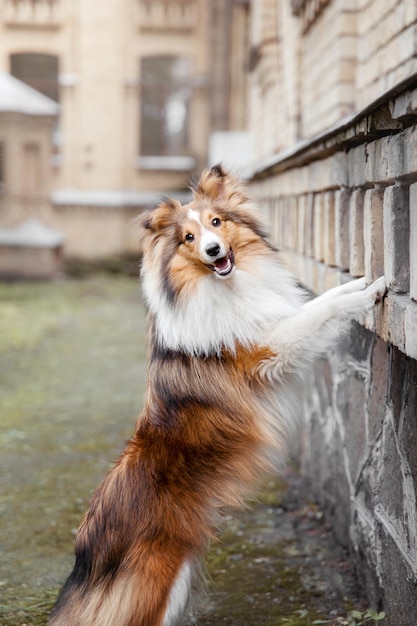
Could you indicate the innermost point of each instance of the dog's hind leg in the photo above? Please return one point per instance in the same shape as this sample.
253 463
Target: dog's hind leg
178 596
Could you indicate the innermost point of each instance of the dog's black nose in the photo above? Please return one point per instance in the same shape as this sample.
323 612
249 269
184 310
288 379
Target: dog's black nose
213 249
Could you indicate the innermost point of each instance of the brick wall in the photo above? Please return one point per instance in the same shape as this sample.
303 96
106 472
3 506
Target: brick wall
328 67
314 62
340 206
386 46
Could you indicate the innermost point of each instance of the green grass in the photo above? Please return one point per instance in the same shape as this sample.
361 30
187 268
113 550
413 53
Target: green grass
72 374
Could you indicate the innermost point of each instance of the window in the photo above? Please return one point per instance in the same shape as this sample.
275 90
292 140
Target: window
165 99
39 71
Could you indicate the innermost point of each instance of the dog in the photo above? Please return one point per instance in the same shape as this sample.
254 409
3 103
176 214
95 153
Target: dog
229 334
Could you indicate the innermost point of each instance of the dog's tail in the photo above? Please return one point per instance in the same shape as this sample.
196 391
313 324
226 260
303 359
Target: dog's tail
136 553
149 599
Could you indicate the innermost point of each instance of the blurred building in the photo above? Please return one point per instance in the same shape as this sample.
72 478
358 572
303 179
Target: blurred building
141 85
27 122
28 248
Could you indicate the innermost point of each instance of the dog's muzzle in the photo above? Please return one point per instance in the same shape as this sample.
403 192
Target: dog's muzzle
222 266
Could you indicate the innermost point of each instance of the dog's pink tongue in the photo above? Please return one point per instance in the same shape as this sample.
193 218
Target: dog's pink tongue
221 264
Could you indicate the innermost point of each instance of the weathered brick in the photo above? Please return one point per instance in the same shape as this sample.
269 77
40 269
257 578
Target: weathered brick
331 278
377 163
305 271
397 581
397 306
293 210
387 28
397 368
390 491
273 225
342 210
356 158
329 250
393 157
390 319
372 13
408 425
309 226
396 238
339 169
378 389
399 49
374 233
356 236
405 105
402 153
413 241
290 223
351 397
334 487
318 227
301 204
280 226
326 173
362 532
410 329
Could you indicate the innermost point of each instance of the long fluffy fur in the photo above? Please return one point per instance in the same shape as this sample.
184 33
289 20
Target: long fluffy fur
229 333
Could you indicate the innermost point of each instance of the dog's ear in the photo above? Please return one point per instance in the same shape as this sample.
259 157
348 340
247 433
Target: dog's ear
154 221
231 197
218 171
159 217
217 184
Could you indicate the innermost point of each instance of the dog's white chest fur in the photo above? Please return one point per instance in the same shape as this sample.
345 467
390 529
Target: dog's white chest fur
220 313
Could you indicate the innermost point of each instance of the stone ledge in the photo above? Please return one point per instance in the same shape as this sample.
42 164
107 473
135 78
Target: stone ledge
372 122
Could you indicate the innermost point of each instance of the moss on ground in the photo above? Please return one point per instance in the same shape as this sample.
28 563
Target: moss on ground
71 386
269 566
71 382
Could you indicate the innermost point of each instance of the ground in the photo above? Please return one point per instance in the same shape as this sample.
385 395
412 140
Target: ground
72 375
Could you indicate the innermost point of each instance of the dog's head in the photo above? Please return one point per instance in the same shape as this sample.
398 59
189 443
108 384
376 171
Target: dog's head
211 235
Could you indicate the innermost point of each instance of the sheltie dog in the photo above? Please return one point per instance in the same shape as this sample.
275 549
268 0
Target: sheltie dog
229 333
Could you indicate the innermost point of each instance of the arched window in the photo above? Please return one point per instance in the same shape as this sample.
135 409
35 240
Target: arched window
40 71
165 97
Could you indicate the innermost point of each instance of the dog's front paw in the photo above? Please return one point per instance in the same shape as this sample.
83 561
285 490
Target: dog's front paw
358 284
378 289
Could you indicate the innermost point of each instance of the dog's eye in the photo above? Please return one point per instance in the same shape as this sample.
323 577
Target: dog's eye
216 221
189 237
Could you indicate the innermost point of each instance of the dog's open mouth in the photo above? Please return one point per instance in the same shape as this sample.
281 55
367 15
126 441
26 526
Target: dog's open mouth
225 265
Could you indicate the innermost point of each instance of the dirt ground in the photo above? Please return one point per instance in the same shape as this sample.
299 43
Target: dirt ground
72 371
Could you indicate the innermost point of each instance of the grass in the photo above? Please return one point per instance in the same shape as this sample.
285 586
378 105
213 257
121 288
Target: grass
71 384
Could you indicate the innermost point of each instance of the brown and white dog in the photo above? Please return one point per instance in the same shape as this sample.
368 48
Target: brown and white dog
229 333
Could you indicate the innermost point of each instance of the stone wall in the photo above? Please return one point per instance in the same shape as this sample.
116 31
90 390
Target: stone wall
340 206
